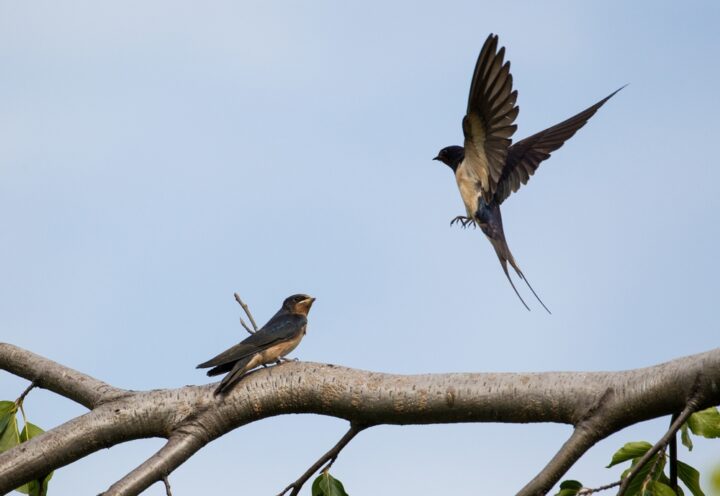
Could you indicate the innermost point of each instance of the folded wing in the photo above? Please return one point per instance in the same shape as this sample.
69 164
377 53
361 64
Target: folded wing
278 329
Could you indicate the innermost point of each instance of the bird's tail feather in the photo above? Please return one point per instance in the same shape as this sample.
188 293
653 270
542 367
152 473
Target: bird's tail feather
503 262
237 372
221 369
522 276
504 255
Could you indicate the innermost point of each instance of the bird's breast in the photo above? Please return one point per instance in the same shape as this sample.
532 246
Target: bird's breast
467 184
281 349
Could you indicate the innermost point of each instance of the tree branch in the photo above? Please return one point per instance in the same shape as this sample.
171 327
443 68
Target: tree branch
581 440
661 444
57 378
593 427
328 458
21 398
597 403
247 312
586 491
178 449
673 457
168 490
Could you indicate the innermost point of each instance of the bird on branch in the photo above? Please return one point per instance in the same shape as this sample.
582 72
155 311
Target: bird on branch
281 335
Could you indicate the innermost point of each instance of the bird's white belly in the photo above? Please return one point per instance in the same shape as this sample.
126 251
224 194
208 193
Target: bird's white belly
468 186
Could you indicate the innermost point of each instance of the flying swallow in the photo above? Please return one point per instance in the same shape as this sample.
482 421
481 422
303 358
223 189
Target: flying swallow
282 333
488 168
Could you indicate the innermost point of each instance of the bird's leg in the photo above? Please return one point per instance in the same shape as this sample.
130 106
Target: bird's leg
464 221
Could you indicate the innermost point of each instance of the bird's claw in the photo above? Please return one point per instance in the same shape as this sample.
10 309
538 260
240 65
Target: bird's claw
464 221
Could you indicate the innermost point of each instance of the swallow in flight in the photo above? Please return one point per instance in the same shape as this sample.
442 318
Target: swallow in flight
488 168
282 333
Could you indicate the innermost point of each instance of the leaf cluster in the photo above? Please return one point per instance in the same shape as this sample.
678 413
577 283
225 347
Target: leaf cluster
651 479
11 436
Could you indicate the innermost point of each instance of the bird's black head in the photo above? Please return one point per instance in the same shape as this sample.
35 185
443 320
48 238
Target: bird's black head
451 156
299 303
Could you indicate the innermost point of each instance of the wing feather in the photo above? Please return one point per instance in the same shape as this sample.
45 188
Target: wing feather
488 123
524 157
279 328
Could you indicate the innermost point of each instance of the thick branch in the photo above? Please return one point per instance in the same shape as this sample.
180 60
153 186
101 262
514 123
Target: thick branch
178 449
57 378
613 399
581 440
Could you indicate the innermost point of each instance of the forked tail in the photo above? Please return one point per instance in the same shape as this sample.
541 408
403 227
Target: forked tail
504 255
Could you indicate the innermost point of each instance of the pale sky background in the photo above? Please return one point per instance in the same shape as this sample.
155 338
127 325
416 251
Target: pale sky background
155 157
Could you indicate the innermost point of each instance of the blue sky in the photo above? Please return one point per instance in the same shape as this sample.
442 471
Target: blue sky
155 157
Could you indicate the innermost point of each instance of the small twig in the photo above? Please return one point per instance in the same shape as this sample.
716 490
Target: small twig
649 477
165 480
588 490
660 445
19 401
328 457
247 312
673 458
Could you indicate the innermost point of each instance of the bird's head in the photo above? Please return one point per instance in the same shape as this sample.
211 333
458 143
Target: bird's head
451 156
299 304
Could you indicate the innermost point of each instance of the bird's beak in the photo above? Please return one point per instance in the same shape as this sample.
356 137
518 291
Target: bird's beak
437 158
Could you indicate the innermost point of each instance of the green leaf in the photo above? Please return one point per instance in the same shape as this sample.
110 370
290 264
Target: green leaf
36 487
635 488
685 437
9 437
569 488
327 485
690 477
656 488
630 451
30 431
666 480
705 423
7 411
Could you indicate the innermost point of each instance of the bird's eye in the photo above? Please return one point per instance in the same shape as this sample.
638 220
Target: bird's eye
298 299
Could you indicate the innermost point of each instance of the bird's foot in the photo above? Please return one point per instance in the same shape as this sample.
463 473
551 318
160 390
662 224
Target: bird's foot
464 221
283 359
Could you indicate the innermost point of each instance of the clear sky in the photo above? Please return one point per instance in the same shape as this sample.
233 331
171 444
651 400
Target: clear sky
155 157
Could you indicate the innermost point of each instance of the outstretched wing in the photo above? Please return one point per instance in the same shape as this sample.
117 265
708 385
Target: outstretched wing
488 124
279 328
524 157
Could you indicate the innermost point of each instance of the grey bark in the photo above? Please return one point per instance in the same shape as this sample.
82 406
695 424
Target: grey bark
596 403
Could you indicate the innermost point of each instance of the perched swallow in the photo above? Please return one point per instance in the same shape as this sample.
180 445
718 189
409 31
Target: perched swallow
282 333
488 168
